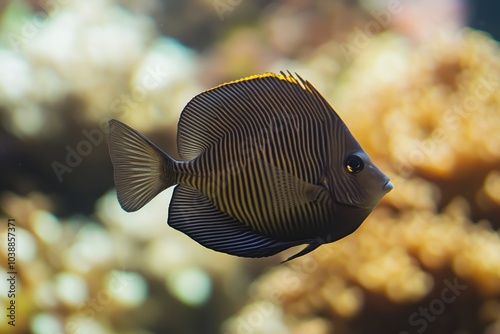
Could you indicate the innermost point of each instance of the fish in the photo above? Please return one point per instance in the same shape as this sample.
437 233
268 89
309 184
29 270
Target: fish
265 164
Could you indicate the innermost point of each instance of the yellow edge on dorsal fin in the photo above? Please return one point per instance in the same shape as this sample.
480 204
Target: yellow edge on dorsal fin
212 114
282 76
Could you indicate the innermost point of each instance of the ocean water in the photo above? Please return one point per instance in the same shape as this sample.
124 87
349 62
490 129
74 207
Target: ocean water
416 82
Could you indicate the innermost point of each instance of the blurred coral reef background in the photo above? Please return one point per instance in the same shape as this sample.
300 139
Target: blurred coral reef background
415 84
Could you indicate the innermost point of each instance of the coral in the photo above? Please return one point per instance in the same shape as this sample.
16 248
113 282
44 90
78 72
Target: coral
82 275
439 123
391 266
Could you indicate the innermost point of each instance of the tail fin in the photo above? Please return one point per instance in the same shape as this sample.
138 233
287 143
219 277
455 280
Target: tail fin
141 169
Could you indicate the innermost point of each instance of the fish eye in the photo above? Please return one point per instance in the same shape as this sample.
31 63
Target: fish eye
354 164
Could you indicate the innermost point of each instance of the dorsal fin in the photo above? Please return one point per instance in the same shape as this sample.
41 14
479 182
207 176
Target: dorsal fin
248 103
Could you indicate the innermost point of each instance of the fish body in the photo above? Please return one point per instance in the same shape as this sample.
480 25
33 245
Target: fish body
266 164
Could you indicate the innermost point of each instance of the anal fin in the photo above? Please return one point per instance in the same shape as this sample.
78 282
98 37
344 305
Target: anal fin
193 214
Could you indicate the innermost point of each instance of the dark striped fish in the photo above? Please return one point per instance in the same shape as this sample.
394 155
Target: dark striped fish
267 164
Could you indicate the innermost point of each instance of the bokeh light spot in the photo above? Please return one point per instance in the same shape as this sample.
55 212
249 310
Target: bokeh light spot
128 288
191 286
71 289
44 323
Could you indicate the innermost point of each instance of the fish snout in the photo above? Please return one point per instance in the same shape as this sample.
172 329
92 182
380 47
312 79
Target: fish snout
388 186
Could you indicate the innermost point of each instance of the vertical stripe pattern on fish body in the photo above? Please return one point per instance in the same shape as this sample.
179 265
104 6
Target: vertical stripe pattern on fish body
269 162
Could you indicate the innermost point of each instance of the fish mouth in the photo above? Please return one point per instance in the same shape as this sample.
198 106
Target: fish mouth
388 186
